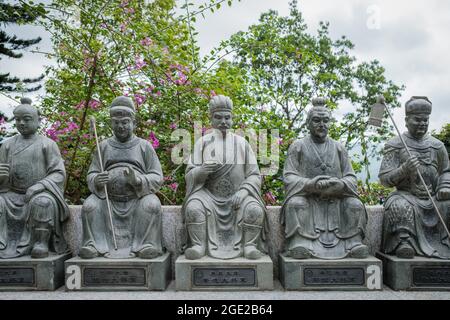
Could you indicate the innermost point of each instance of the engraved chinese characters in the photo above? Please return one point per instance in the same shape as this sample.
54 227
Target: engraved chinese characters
411 224
322 214
32 206
132 175
223 209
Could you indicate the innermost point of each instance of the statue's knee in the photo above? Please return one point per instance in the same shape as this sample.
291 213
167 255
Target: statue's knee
194 212
400 212
298 204
151 204
354 204
90 205
41 209
254 215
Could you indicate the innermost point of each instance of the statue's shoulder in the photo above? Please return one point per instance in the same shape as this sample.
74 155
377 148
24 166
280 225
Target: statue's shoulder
7 143
298 145
394 143
46 141
434 142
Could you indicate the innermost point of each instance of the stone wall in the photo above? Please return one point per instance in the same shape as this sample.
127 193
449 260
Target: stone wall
173 231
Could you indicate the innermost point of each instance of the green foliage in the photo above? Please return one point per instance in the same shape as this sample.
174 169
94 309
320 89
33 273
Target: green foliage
444 136
283 67
373 193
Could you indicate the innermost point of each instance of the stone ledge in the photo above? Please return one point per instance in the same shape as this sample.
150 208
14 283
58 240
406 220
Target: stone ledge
174 232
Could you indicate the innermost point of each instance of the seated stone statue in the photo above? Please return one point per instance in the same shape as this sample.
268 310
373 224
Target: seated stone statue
132 175
322 214
32 175
411 225
223 210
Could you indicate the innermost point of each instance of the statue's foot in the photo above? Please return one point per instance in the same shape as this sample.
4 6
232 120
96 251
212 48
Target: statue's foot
405 251
359 252
194 253
300 253
250 252
39 251
88 252
148 253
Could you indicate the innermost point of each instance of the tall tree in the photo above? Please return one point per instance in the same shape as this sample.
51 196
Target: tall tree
11 46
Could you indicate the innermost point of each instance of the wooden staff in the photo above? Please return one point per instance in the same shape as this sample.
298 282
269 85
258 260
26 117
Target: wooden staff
94 129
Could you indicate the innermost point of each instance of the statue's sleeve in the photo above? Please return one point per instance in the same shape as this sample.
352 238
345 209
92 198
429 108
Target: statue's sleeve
391 172
252 182
444 169
348 175
293 177
193 179
56 173
4 159
94 170
152 179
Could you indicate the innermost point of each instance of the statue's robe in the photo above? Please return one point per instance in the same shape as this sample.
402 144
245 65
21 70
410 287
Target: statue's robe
239 170
329 226
32 161
136 212
409 209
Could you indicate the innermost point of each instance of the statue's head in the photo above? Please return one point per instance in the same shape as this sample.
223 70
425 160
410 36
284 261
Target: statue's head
26 117
123 119
319 119
418 110
220 111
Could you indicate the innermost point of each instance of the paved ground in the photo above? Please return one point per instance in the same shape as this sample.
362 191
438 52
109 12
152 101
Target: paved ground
277 294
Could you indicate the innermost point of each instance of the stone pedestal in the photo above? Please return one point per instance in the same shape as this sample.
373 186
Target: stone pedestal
415 274
210 274
345 274
102 274
25 273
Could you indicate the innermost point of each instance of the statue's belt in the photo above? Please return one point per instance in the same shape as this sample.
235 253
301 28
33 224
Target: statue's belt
122 198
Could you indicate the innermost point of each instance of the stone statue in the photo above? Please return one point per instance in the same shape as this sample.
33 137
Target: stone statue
224 213
32 176
322 214
411 225
132 175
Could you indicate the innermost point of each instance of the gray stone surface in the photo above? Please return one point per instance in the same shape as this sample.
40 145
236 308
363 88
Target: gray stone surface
319 274
33 274
278 294
103 274
417 274
223 272
173 231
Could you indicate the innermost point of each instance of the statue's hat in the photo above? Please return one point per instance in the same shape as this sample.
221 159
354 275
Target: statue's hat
417 105
220 103
122 107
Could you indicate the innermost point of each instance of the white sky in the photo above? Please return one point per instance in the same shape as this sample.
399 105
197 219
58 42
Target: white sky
411 41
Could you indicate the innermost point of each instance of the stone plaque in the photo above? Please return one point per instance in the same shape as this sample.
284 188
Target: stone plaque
17 276
133 277
224 277
431 277
333 276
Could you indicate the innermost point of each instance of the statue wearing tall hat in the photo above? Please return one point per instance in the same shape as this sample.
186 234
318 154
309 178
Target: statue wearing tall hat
411 224
224 213
124 219
322 214
32 176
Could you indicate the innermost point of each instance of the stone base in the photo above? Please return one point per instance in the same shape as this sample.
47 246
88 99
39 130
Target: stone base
102 274
416 274
345 274
24 273
210 274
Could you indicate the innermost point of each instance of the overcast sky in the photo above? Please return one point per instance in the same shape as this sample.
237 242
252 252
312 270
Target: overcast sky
409 38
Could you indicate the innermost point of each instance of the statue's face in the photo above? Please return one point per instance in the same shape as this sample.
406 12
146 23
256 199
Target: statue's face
319 124
27 121
123 128
222 120
417 124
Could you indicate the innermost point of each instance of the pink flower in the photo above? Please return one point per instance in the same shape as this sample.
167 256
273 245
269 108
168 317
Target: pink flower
280 141
270 198
123 27
212 93
173 186
72 126
173 126
94 104
139 63
167 178
140 99
154 140
146 42
149 89
158 93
